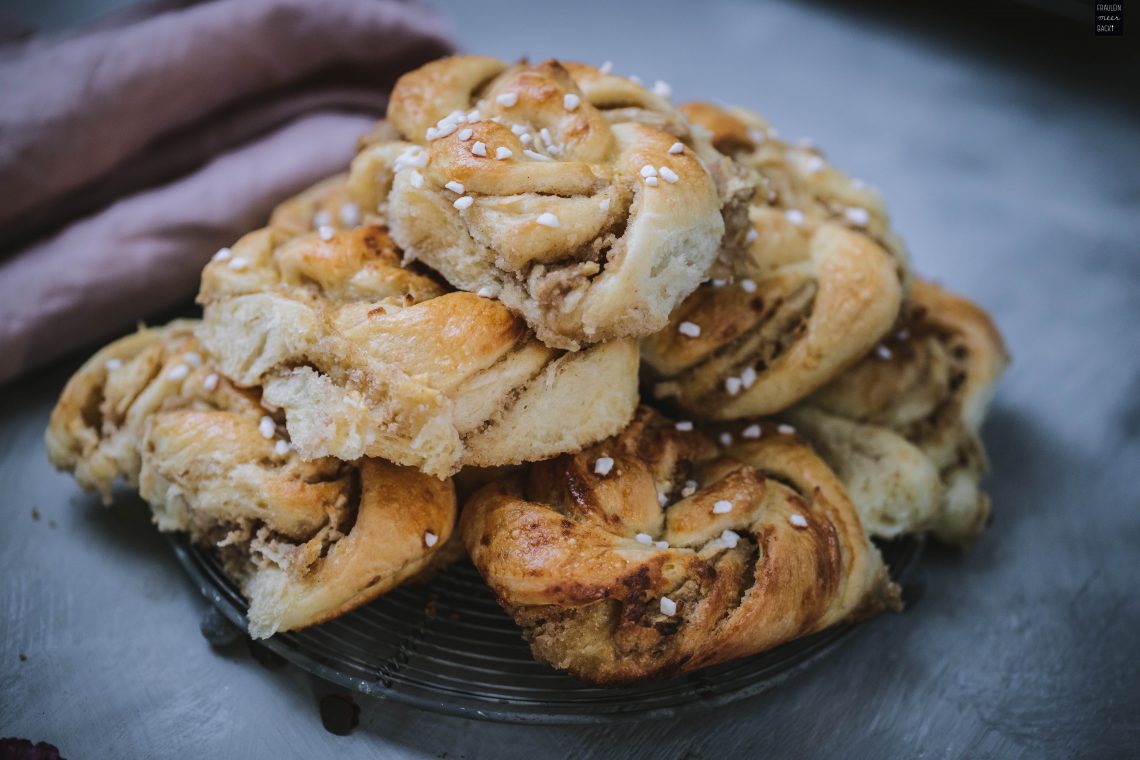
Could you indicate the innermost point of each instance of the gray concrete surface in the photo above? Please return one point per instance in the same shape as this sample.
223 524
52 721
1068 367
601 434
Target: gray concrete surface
1009 186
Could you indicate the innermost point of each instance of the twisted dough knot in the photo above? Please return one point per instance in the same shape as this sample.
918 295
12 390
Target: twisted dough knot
308 540
798 178
558 189
927 387
369 358
654 552
804 300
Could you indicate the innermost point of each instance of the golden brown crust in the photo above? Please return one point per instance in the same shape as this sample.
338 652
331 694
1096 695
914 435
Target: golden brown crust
808 294
930 383
308 540
326 204
561 224
368 357
559 545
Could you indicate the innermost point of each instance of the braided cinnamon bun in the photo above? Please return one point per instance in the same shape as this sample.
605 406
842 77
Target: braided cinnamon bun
579 199
929 384
819 281
371 358
654 552
307 540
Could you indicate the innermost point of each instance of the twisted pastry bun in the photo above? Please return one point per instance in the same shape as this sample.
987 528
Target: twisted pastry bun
798 178
307 540
926 389
654 552
811 292
369 358
575 197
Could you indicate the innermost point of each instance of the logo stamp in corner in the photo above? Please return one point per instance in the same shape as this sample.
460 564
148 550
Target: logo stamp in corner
1108 19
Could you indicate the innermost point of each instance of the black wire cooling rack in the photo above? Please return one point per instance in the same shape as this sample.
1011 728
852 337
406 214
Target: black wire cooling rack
447 646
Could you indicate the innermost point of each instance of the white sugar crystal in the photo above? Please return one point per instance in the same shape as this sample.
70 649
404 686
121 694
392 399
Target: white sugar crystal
689 329
349 214
857 216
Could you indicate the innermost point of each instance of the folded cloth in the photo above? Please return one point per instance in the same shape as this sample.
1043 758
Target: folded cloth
170 130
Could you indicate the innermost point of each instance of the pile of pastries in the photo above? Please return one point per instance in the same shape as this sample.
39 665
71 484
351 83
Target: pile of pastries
661 376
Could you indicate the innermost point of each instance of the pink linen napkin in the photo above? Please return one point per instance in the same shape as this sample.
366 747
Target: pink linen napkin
132 150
